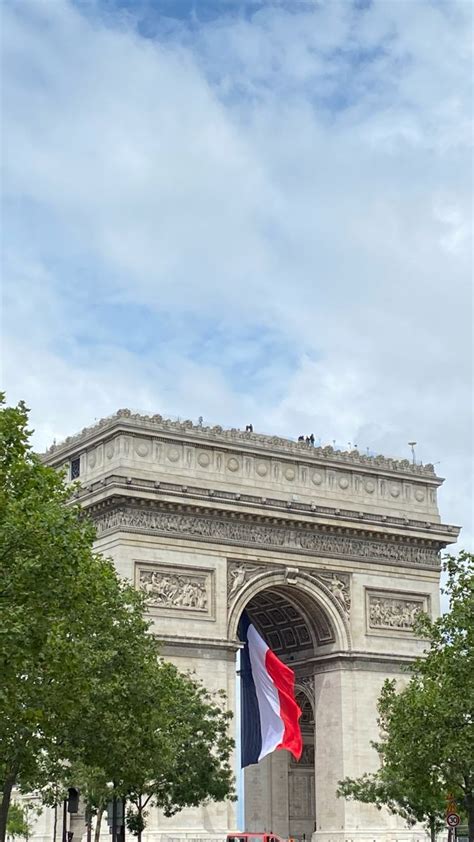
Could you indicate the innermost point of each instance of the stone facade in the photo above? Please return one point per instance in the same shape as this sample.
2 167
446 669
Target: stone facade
333 555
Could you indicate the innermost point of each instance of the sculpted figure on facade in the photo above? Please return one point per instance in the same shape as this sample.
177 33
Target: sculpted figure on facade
238 574
306 682
339 585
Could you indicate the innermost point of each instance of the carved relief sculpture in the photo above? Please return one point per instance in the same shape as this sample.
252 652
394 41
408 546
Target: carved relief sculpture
296 539
339 585
393 612
172 590
238 574
306 682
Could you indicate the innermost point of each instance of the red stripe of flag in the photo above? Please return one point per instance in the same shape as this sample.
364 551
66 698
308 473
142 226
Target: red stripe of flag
284 680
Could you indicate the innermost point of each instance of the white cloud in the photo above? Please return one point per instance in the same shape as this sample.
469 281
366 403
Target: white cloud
299 175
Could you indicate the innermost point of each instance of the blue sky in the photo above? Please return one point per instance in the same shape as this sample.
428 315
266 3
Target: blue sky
245 211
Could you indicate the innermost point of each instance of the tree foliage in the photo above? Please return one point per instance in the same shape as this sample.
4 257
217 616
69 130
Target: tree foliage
427 730
83 691
20 820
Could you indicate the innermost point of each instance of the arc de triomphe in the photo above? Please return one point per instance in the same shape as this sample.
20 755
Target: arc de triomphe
331 553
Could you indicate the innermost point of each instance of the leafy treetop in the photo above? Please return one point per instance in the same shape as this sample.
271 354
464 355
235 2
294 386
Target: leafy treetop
82 685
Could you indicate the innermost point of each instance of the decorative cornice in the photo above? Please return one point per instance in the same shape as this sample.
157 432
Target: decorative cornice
304 539
218 435
243 500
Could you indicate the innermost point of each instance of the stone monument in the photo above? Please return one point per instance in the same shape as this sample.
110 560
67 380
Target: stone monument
332 554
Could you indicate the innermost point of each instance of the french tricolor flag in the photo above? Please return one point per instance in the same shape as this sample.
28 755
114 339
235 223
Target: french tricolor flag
269 713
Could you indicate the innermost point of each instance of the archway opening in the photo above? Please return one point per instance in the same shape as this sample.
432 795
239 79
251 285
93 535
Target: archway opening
279 792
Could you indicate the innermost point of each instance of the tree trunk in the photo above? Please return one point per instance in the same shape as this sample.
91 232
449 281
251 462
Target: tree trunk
98 824
55 825
470 816
5 804
140 808
432 829
468 804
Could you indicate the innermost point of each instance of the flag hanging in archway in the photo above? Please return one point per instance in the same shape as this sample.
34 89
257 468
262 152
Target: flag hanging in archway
269 712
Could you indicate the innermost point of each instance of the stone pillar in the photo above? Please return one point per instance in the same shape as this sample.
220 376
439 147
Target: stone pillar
329 749
345 724
258 796
279 762
212 820
266 795
301 802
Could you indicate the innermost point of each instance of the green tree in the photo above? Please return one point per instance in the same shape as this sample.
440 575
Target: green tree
184 763
78 664
406 783
20 820
173 752
427 730
64 617
95 792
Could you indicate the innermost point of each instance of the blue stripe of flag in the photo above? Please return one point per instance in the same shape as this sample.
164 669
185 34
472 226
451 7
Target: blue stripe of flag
251 734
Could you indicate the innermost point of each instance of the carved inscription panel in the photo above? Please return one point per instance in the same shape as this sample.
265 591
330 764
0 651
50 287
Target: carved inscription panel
182 589
389 612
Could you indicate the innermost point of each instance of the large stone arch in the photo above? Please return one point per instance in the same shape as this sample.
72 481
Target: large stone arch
304 589
323 537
